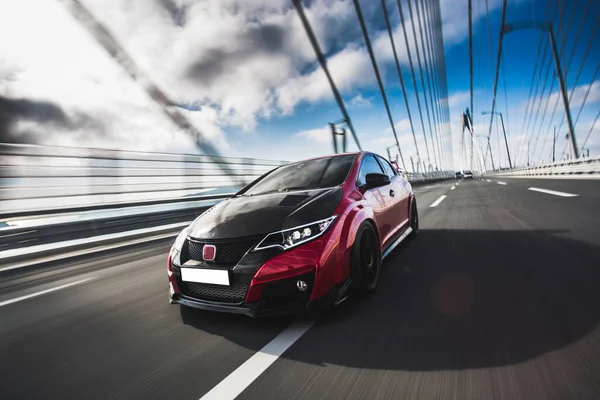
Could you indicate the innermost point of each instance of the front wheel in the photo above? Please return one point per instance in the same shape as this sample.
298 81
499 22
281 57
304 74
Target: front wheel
414 218
366 259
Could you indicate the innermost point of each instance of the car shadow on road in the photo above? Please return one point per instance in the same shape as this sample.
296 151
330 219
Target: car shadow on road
454 299
459 299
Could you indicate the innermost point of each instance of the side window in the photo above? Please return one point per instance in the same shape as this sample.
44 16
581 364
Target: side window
369 166
387 168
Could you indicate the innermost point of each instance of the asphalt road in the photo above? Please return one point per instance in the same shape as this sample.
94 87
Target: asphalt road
497 298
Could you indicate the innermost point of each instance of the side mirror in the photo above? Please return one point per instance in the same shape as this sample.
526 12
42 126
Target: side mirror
377 180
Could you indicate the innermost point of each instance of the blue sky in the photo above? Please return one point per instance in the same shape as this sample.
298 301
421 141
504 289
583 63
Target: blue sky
250 73
518 58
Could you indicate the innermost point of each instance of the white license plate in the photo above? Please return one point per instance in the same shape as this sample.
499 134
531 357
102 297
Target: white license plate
212 276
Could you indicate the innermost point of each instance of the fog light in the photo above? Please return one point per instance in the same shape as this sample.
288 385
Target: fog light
302 286
171 290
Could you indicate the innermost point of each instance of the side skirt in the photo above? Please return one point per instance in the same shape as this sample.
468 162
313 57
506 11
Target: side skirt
396 242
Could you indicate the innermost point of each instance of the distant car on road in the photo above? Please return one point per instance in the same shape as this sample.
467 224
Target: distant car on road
468 175
458 175
304 235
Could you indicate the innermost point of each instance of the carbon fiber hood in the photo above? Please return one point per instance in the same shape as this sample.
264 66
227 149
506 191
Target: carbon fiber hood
260 214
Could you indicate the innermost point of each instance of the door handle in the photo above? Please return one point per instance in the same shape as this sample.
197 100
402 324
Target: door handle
392 193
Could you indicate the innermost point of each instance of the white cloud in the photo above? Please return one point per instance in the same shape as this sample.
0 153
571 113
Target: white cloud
350 67
577 99
235 61
455 20
60 88
359 101
317 135
459 99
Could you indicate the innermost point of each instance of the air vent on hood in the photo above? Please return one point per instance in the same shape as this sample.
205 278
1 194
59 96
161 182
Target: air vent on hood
292 200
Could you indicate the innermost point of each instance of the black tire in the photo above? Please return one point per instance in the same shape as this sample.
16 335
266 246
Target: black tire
414 218
366 260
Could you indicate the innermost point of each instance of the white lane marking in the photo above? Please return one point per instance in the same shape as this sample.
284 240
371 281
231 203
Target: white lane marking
54 289
438 201
245 374
554 192
453 187
487 180
566 176
501 183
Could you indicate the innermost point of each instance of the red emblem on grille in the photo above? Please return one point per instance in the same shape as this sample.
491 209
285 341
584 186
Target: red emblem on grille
209 252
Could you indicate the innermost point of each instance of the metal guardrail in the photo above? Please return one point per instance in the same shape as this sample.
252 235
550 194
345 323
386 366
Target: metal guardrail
414 177
49 179
582 166
42 178
77 198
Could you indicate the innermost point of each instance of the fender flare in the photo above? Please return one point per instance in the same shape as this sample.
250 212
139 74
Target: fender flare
352 221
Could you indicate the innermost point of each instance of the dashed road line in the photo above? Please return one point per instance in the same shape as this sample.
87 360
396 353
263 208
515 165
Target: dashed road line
501 183
438 201
453 187
487 180
245 374
36 294
553 192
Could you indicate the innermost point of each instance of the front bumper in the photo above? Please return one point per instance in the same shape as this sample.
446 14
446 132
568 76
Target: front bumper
266 307
265 283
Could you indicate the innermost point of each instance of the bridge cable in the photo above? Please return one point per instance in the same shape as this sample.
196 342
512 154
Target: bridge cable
429 75
567 67
321 58
443 71
489 37
435 72
529 97
583 18
591 129
545 65
584 59
421 72
564 34
377 75
435 50
497 71
507 114
412 71
587 93
536 98
389 29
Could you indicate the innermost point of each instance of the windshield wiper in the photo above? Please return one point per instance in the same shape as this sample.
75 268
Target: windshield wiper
287 189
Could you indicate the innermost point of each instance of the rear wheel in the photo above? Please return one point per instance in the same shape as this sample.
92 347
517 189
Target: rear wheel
366 259
414 218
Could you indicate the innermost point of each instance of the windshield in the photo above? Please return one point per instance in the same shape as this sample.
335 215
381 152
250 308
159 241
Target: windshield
311 174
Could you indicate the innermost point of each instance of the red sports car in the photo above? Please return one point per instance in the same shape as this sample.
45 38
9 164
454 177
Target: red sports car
304 235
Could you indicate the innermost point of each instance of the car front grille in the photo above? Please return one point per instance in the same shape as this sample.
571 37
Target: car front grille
235 293
227 253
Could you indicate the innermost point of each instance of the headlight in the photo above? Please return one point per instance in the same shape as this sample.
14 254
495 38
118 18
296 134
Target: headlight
295 236
179 241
